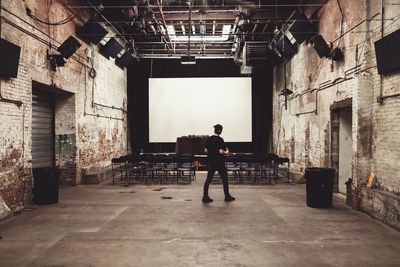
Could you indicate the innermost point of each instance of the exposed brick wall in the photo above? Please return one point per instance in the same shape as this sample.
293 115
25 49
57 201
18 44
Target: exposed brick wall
304 131
82 138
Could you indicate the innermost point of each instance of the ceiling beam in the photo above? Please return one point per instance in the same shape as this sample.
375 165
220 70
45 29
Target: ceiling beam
263 15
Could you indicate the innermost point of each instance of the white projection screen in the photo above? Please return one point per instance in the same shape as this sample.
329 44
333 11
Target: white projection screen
191 106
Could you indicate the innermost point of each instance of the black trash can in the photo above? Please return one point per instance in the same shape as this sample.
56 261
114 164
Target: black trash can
45 186
319 187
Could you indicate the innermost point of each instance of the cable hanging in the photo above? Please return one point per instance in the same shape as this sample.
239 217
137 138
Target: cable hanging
59 23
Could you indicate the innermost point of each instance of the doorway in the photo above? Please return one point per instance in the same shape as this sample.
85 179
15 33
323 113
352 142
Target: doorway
345 148
45 184
341 143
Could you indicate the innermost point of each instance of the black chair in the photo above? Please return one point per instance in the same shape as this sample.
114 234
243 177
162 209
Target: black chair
119 168
186 168
158 166
151 168
283 168
170 168
260 168
248 168
232 168
136 169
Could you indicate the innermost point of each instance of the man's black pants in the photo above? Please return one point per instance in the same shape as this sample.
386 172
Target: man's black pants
221 169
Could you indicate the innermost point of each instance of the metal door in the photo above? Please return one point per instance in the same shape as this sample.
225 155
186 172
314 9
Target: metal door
42 130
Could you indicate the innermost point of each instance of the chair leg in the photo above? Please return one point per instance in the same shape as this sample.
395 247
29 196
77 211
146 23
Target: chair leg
112 171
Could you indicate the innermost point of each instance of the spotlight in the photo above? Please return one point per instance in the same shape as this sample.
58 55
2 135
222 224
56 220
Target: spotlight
66 50
337 54
285 92
235 47
56 61
321 46
244 24
276 31
100 7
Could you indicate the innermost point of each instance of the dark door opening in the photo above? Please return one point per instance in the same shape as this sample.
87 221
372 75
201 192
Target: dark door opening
45 184
345 148
342 143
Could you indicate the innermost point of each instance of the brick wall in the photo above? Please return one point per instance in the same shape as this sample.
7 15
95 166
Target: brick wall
86 134
304 131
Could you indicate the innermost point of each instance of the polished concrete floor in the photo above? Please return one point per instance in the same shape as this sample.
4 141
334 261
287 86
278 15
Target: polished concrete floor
268 225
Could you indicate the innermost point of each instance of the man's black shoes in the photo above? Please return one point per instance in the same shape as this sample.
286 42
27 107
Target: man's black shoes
207 199
229 198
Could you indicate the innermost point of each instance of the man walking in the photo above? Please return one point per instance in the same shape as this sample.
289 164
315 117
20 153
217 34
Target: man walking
216 151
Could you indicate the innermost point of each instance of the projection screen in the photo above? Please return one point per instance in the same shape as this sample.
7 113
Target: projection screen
191 106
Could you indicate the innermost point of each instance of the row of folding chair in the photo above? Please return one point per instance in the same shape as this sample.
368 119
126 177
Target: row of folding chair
152 168
257 168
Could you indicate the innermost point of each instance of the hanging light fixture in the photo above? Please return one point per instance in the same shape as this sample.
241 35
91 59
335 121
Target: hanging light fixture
188 59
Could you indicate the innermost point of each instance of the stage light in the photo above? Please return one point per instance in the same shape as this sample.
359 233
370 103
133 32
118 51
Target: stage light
286 92
66 50
321 46
337 54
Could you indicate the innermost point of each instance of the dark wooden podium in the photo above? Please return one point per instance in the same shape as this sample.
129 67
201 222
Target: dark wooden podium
190 145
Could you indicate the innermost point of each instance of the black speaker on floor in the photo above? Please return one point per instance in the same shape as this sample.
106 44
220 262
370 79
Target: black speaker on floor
69 47
301 29
112 48
125 60
387 53
91 32
321 46
45 186
319 187
285 47
9 59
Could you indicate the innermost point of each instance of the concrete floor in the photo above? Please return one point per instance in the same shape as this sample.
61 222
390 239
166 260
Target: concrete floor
270 225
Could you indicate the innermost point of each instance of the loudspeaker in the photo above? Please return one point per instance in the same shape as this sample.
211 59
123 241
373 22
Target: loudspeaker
260 54
319 187
301 29
9 59
112 48
91 32
272 58
69 47
126 60
321 46
285 47
45 186
387 53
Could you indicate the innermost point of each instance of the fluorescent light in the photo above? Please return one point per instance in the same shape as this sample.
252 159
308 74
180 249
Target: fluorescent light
205 38
171 30
183 28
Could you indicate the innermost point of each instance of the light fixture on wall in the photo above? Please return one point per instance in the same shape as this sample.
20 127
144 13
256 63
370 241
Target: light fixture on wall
337 54
56 60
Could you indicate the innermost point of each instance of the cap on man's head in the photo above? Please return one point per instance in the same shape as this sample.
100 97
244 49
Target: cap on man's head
218 128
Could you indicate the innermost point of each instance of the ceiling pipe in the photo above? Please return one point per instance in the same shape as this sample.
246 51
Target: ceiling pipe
168 39
190 25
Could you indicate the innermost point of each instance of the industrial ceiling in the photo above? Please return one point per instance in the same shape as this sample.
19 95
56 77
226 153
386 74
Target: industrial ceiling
200 28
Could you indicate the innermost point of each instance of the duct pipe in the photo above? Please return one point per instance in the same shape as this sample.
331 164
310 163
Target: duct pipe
169 45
